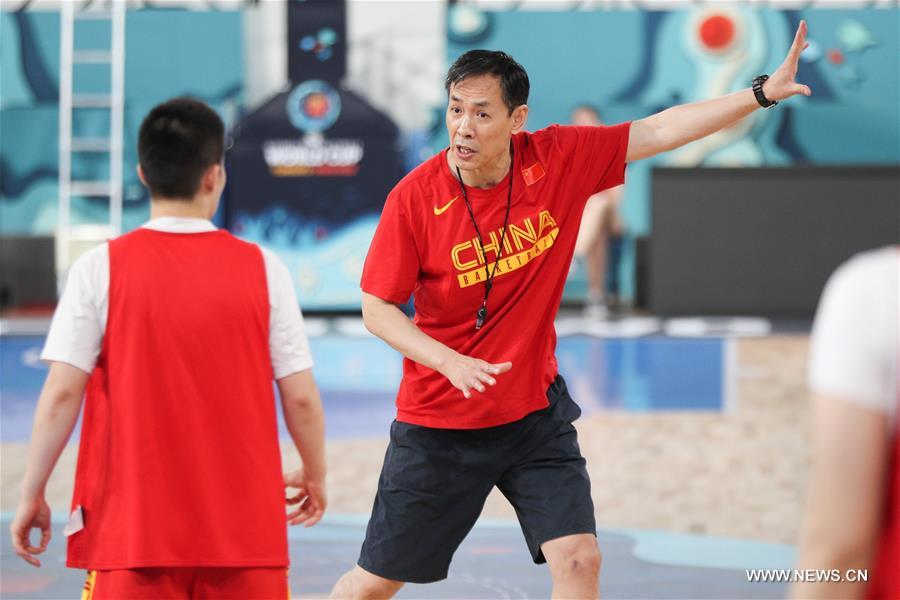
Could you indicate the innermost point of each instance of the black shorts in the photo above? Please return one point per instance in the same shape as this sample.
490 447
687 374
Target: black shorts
434 483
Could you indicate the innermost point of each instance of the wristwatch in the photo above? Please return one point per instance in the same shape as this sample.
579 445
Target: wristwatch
758 92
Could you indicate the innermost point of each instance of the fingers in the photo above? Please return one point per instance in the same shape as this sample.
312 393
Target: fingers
45 538
295 481
486 378
311 508
802 89
479 374
308 514
494 369
475 383
296 499
318 503
295 517
29 559
301 513
315 518
23 548
799 41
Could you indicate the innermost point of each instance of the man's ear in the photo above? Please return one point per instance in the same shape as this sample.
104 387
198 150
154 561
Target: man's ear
211 178
520 117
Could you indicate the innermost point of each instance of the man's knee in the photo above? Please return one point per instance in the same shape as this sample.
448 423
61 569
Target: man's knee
577 558
359 584
583 562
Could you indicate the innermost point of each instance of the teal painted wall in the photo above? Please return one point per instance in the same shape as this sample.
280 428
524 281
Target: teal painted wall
168 53
631 64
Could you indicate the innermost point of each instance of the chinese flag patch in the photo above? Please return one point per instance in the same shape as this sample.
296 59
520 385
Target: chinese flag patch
533 174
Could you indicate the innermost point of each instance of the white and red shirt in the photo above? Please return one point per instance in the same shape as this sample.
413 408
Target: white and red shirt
854 357
179 462
853 346
426 245
79 322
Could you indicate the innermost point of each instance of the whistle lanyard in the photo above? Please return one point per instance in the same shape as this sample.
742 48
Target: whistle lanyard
482 313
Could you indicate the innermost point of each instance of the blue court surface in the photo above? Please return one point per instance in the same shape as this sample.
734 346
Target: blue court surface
358 376
492 562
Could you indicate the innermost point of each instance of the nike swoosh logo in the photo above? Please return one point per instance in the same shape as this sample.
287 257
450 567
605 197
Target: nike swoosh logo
439 211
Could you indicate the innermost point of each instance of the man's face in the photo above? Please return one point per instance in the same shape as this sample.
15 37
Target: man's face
480 125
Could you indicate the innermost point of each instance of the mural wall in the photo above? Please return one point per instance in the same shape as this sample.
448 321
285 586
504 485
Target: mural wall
633 63
629 63
168 53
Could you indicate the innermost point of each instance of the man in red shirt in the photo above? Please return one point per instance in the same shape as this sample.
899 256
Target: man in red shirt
176 332
483 234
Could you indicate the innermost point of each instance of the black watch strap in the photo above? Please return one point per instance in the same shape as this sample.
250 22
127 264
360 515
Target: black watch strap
758 92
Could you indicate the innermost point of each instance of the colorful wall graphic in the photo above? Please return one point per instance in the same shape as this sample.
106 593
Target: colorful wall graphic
633 63
167 53
629 63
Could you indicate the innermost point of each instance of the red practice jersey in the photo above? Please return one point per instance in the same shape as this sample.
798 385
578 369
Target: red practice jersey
179 463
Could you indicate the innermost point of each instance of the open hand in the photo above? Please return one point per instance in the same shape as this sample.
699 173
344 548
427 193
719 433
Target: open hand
782 83
34 514
309 498
467 373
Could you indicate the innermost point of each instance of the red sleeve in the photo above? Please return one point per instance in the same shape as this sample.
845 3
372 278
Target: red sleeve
596 155
392 264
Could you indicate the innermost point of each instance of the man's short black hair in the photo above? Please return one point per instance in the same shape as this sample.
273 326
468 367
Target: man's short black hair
178 141
513 78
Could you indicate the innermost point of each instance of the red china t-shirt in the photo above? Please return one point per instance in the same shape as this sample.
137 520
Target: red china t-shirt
426 245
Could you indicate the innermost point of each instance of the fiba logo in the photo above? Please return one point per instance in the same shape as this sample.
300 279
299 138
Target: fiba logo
313 106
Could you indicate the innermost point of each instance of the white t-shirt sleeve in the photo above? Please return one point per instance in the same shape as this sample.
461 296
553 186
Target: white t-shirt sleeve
853 353
76 333
288 344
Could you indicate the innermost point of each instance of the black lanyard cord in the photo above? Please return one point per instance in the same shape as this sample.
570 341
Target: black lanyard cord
482 313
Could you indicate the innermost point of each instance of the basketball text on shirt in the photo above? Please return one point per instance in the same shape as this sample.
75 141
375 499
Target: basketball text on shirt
524 242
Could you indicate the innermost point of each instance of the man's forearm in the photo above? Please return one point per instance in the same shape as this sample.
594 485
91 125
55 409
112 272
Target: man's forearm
827 555
389 323
305 420
680 125
55 417
846 493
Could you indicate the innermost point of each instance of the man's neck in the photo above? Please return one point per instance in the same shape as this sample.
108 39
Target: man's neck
482 178
184 209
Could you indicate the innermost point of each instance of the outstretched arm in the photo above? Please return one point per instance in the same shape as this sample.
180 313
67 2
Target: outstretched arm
679 125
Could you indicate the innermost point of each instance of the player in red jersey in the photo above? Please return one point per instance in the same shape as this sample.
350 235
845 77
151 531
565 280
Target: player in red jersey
176 331
483 234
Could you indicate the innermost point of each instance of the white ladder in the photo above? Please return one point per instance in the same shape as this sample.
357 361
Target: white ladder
73 240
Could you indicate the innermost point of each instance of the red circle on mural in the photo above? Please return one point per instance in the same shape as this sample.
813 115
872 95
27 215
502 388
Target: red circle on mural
717 32
836 57
315 105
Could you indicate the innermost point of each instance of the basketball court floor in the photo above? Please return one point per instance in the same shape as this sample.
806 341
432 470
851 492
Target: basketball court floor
696 447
